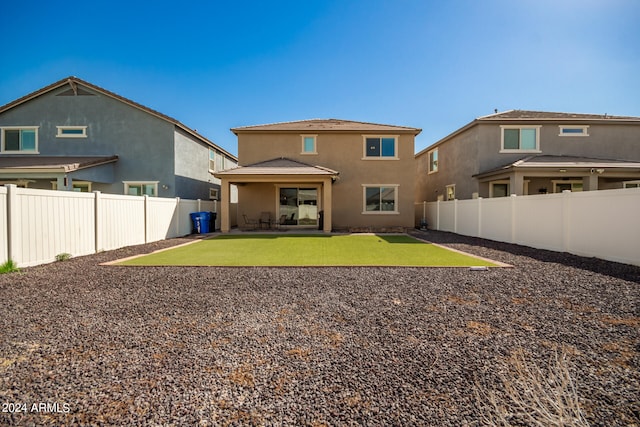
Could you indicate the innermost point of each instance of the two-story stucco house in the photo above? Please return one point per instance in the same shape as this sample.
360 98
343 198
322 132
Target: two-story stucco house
324 173
531 152
73 135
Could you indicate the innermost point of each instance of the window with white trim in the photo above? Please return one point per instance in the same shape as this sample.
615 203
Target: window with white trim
433 161
309 144
213 194
451 192
17 139
571 130
380 199
71 132
380 147
141 188
517 139
631 184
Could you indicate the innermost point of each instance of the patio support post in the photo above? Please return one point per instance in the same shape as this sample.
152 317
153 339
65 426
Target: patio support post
516 182
326 205
225 199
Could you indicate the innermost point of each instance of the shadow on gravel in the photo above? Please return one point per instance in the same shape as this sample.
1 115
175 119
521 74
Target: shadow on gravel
614 269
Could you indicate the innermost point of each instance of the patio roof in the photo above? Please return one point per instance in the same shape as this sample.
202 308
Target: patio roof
541 162
51 164
279 166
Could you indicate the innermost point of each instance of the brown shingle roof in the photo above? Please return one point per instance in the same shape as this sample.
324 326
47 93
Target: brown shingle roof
280 166
53 163
546 115
326 125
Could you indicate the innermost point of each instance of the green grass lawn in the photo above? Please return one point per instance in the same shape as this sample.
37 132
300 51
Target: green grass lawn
309 250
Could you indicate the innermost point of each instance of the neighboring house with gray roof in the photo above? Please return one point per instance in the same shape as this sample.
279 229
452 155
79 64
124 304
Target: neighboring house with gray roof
324 173
531 152
73 135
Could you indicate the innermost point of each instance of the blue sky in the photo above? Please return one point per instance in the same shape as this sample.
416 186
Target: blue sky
435 65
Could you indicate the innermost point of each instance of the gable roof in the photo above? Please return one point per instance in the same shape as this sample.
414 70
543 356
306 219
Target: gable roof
75 83
524 115
527 116
326 125
279 166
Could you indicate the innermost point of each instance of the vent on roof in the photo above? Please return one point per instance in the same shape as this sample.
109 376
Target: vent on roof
77 91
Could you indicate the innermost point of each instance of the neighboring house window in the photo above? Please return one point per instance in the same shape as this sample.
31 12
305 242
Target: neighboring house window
309 144
380 147
451 192
572 185
631 184
574 130
71 132
141 188
520 139
433 161
20 139
499 189
212 161
213 194
380 199
78 186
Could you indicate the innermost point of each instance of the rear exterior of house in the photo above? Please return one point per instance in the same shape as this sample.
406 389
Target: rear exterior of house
531 152
73 135
326 173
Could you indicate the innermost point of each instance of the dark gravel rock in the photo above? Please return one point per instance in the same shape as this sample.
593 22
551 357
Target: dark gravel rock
109 345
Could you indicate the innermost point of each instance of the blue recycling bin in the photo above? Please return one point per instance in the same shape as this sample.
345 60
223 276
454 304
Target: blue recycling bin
201 222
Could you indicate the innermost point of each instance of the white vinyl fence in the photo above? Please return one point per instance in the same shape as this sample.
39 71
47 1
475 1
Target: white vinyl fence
37 225
603 224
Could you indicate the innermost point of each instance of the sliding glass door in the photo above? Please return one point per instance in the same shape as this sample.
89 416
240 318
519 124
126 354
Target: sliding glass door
298 206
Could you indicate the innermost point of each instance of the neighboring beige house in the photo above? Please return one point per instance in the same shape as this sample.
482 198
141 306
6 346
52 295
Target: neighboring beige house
531 152
323 173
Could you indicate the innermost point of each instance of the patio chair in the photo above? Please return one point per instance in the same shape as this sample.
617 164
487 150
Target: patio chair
281 221
265 220
250 224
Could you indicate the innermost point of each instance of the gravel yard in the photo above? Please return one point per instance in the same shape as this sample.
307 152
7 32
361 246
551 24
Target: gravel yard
84 344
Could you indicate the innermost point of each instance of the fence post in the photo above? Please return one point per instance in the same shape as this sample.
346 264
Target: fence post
438 215
97 218
177 216
199 205
13 240
566 219
146 218
479 199
513 218
455 215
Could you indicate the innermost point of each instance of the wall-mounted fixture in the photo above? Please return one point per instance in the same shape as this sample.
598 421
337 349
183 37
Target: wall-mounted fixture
563 170
165 187
599 170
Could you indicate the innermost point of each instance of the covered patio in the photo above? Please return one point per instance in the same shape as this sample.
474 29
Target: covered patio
279 193
544 174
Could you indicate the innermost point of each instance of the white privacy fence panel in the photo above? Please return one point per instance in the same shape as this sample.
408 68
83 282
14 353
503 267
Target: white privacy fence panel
539 221
162 219
496 219
45 224
38 225
607 224
121 221
602 224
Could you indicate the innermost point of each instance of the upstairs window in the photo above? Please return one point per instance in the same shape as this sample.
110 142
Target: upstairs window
216 161
71 132
309 144
20 140
380 147
433 161
149 188
574 130
520 139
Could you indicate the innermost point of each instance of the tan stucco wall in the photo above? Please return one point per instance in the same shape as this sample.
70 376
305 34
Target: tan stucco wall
343 153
